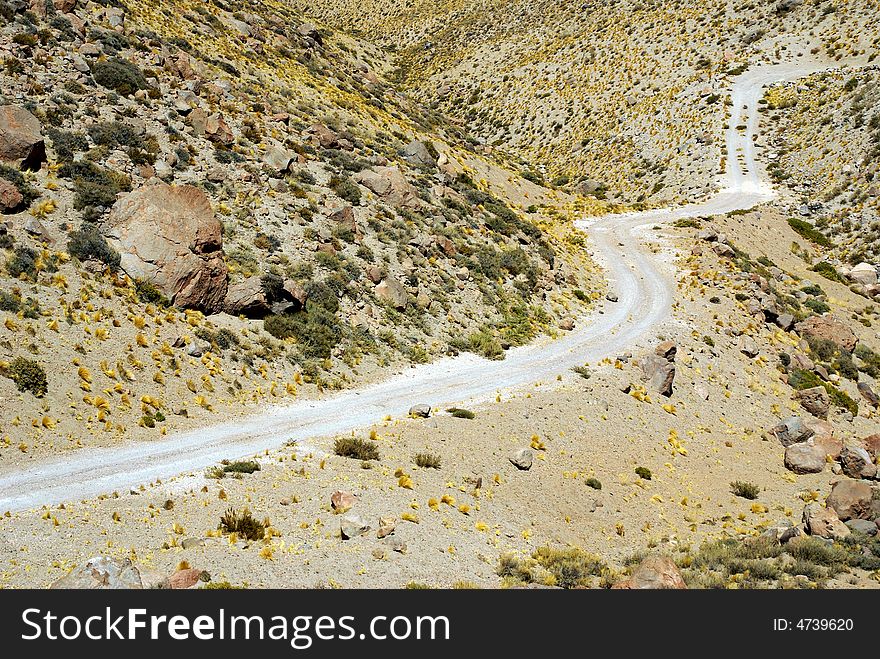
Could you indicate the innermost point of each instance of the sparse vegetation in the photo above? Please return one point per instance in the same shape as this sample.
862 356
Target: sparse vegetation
745 489
354 447
460 413
28 375
243 524
427 460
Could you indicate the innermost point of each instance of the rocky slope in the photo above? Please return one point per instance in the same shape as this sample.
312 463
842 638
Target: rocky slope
612 99
207 207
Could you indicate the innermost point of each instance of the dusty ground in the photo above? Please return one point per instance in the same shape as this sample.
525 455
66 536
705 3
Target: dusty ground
587 427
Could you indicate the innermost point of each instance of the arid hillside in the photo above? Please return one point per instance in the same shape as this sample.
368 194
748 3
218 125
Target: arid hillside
207 206
616 99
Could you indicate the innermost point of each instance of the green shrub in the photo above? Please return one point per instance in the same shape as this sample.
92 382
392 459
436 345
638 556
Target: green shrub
149 294
10 302
566 568
485 344
813 289
593 482
828 271
643 472
23 262
427 460
818 306
243 524
808 231
94 185
120 75
745 490
871 360
88 243
241 467
460 413
316 330
346 189
354 447
28 375
67 144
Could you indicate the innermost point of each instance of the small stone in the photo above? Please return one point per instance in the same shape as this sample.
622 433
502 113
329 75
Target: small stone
342 500
422 410
352 526
395 544
522 458
189 543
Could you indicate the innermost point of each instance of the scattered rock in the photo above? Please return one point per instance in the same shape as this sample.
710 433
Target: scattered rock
824 327
868 394
815 400
10 197
805 458
856 462
654 572
103 573
386 527
390 185
823 522
352 526
850 499
21 139
246 298
169 236
341 500
864 274
792 431
862 526
522 458
417 153
421 410
218 131
189 543
391 291
749 347
659 368
395 544
183 579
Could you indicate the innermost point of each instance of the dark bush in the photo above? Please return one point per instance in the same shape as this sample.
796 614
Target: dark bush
460 413
23 262
346 189
745 490
808 231
354 447
243 524
88 243
315 330
94 185
119 75
67 143
28 375
241 467
149 294
427 460
643 472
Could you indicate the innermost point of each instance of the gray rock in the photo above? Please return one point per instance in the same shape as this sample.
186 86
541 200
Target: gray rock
815 400
395 544
856 462
522 458
792 431
868 394
862 526
421 409
805 458
660 372
189 543
352 526
785 321
417 153
391 291
749 347
823 522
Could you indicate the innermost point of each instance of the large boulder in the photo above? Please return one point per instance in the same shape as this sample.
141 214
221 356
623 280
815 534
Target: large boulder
390 185
392 292
805 458
856 462
823 327
169 236
864 274
815 400
418 153
823 522
659 368
102 573
654 572
851 499
868 393
21 139
792 431
247 298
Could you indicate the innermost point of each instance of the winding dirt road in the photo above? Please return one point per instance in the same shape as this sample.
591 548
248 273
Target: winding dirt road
644 300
